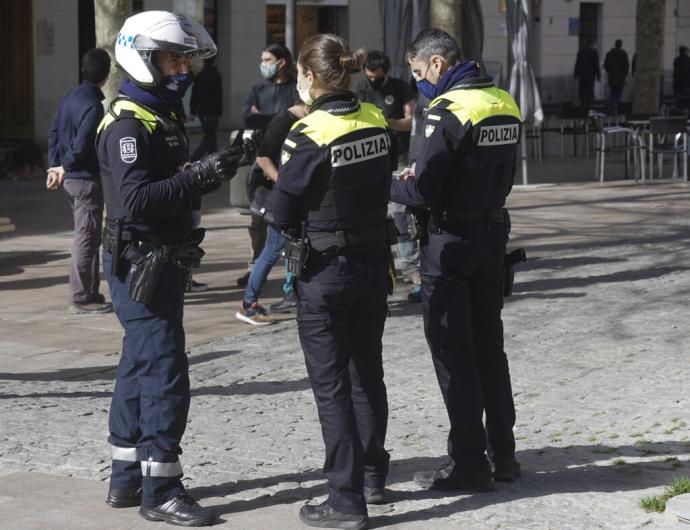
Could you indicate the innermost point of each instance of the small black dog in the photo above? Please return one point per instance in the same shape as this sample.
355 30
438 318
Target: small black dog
23 162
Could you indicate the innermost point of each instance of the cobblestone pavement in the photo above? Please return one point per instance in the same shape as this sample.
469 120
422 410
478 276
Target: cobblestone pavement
597 341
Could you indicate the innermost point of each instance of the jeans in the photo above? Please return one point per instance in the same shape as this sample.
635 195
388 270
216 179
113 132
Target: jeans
407 249
264 263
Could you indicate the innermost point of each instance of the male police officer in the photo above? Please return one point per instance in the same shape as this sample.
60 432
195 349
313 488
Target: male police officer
149 189
463 174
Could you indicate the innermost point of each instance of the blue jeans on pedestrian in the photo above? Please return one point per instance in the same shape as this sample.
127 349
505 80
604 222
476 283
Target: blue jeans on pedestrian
269 256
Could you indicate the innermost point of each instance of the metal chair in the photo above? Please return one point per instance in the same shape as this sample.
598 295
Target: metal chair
633 144
574 122
668 135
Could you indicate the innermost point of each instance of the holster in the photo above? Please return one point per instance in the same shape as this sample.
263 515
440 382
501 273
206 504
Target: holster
512 258
188 255
114 242
146 264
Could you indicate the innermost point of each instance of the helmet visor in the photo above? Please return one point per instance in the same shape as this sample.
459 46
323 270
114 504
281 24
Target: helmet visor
205 47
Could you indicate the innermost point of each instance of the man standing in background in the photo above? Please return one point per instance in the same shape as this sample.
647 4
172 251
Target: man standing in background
74 165
617 66
586 71
207 103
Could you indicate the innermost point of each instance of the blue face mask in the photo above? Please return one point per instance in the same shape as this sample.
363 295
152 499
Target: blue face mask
426 88
173 87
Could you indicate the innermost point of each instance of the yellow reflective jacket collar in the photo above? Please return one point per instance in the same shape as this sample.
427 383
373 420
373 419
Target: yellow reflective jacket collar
470 103
147 118
323 127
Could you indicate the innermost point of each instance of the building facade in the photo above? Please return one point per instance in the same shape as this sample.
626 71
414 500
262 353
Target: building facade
44 39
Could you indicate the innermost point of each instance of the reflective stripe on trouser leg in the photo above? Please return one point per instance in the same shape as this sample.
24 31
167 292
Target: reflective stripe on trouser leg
128 454
161 469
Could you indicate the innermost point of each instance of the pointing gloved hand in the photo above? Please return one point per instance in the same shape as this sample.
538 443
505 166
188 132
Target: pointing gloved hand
215 168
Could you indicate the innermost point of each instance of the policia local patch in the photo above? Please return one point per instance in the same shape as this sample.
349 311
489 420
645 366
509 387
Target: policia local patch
128 149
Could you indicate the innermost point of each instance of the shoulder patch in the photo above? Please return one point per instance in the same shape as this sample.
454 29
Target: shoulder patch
429 130
128 149
285 156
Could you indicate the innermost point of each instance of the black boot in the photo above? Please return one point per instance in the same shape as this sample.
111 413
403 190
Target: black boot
507 471
181 510
325 516
287 304
123 498
447 477
374 495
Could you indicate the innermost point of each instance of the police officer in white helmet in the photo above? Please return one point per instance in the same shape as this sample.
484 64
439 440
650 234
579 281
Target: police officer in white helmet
150 190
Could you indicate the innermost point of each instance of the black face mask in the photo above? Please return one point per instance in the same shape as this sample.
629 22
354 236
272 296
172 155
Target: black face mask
377 83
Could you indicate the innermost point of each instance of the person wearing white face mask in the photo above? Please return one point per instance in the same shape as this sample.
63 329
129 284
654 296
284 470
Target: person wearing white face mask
275 94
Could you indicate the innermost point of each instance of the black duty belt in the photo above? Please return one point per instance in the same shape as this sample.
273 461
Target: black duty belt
353 240
483 216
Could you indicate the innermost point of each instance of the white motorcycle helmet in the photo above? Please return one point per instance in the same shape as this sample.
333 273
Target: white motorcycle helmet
150 31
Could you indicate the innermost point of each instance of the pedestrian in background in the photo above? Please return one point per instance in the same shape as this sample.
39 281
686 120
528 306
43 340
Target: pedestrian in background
268 159
206 102
587 71
617 66
396 99
681 72
74 165
335 176
275 94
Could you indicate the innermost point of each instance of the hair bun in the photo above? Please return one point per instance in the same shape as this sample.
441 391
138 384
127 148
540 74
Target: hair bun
352 60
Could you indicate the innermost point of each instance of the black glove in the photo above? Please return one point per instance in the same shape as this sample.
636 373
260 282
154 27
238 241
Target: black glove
214 169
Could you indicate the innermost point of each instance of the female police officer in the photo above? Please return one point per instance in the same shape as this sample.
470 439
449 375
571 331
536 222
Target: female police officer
149 190
334 177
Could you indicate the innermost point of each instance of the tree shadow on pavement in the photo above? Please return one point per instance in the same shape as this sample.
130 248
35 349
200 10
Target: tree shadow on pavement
99 373
34 283
14 262
546 471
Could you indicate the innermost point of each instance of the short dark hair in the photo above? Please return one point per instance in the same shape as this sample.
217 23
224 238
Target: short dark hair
619 43
377 59
95 65
434 42
683 50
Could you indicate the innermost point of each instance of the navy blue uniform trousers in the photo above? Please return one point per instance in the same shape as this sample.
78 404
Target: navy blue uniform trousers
462 297
341 312
148 412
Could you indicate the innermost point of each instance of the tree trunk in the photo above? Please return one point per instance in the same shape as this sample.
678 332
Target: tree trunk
445 15
649 44
110 16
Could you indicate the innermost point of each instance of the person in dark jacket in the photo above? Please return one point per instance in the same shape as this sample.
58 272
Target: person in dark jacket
586 71
207 103
681 72
74 165
617 66
276 93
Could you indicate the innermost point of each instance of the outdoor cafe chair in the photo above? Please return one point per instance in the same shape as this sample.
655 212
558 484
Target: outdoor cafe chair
668 135
634 144
574 122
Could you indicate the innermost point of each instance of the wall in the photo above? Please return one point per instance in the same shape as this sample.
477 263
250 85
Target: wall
56 60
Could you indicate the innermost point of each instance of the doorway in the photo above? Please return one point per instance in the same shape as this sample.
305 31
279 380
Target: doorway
16 57
590 15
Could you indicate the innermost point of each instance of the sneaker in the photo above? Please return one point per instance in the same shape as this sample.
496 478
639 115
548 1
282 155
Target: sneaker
415 296
448 478
244 279
507 471
253 314
181 510
325 516
287 304
91 308
193 286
